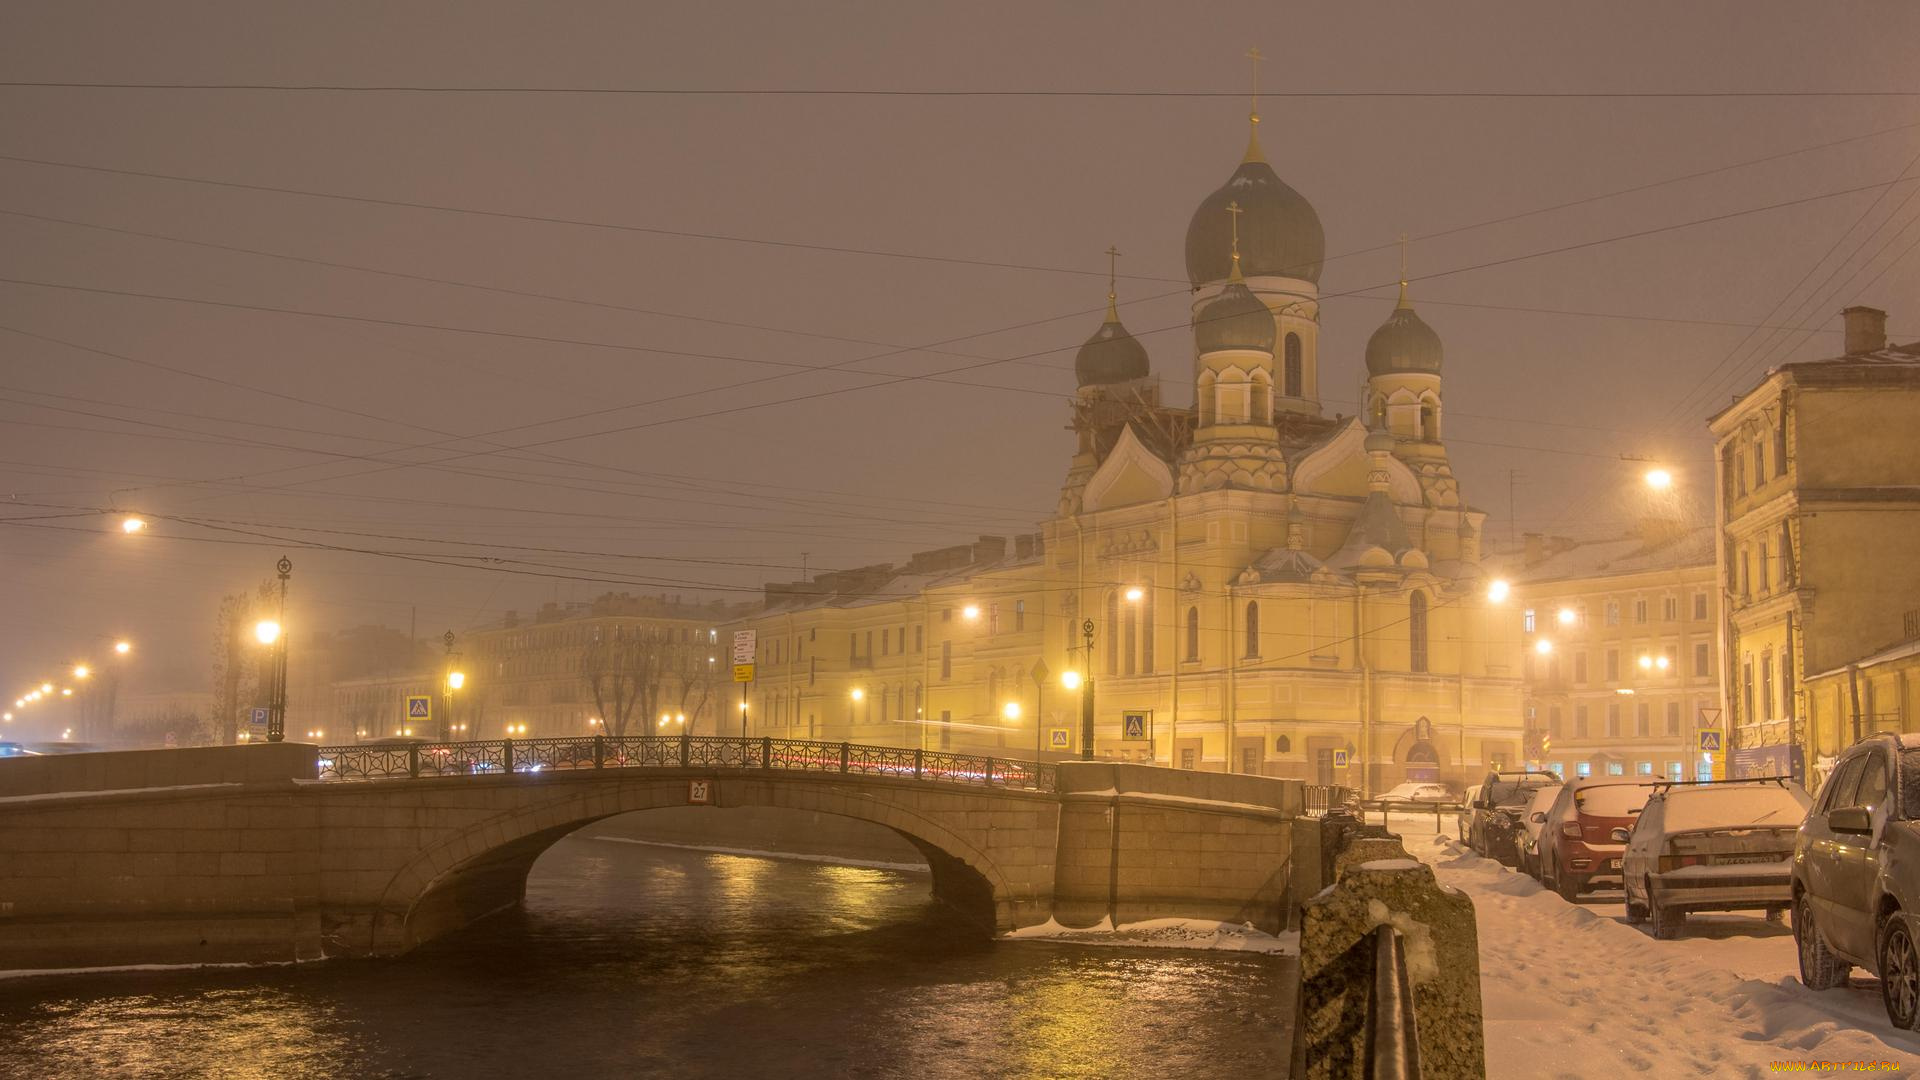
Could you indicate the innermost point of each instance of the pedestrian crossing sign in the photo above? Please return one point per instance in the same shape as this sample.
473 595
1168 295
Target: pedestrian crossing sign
420 707
1133 725
1339 759
1710 742
1057 739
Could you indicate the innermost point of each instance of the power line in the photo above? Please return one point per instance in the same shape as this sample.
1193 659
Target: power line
871 92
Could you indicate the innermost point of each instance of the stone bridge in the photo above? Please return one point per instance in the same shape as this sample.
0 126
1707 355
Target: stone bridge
290 851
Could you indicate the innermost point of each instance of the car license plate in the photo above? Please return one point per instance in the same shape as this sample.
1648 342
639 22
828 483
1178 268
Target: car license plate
1613 864
1726 859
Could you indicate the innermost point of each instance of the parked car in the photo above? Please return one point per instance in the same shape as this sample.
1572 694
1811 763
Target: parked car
1718 846
1577 847
14 749
1856 875
1496 809
1463 822
1415 792
1527 840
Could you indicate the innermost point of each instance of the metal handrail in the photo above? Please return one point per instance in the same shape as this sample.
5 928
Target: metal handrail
1393 1042
705 752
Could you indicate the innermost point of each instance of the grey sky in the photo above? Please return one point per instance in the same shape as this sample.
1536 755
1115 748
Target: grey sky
1034 181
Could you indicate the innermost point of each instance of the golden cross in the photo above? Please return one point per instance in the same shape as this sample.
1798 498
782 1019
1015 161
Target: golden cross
1254 56
1113 256
1403 258
1234 209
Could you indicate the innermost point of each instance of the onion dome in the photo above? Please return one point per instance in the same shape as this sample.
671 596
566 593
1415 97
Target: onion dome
1403 343
1378 441
1236 319
1280 234
1110 356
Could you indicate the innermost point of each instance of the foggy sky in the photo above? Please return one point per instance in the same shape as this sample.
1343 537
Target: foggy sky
1045 183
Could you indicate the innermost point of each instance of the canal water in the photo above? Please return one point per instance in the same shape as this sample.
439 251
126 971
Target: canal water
637 960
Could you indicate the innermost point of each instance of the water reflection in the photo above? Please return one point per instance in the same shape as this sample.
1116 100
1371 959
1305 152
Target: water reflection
631 960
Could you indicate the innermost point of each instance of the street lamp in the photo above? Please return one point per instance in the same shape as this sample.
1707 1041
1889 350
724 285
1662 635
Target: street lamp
970 612
123 647
1566 616
1497 591
270 634
1543 646
132 525
46 688
1011 710
80 671
858 694
1659 479
267 631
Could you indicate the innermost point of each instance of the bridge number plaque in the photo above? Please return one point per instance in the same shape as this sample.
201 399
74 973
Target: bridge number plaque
699 793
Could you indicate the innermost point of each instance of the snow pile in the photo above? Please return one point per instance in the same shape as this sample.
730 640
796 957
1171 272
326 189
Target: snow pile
1165 934
1574 992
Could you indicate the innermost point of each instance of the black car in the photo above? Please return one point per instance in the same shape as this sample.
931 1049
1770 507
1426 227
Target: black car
1494 818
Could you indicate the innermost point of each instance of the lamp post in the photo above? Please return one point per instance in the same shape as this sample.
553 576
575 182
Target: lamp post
455 680
1086 696
277 641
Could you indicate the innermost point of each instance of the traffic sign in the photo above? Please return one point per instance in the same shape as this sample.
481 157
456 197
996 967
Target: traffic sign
745 645
257 725
743 673
1339 759
419 707
1133 725
1709 718
1710 741
1057 739
1040 672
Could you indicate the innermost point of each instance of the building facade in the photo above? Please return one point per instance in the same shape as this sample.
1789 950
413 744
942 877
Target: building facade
1622 657
1818 502
1249 584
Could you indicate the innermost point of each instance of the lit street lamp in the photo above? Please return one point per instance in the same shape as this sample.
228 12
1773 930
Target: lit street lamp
132 525
1659 479
1497 591
270 633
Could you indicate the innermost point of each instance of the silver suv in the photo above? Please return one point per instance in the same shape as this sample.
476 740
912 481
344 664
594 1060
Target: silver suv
1856 874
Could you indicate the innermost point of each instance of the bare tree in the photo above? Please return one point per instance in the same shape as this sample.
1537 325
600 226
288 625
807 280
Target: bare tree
640 670
235 667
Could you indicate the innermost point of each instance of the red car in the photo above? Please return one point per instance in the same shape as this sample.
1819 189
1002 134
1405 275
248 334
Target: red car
1577 847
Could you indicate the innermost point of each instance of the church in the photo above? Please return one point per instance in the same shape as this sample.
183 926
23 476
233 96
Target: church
1249 584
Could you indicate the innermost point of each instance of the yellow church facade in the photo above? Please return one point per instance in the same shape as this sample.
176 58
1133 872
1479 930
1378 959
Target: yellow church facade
1248 584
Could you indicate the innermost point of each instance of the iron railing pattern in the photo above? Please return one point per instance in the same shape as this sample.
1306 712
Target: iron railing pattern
501 756
1324 797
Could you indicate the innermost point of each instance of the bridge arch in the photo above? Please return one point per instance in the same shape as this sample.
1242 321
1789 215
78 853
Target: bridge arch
983 847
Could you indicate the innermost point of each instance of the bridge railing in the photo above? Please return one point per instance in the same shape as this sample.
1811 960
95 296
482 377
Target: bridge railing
1321 798
499 756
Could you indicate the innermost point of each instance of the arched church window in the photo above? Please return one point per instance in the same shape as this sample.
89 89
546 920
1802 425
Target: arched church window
1203 396
1193 635
1377 413
1429 422
1283 745
1417 631
1253 629
1262 399
1293 367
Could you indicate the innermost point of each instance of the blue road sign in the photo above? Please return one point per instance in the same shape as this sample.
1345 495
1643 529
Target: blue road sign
1133 725
1710 742
1339 759
419 708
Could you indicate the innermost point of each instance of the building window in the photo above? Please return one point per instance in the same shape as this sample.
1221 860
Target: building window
1787 569
886 643
1187 755
1250 759
1766 685
946 614
1643 719
1613 665
1640 612
1673 718
946 660
1583 770
1759 463
1766 576
1579 721
1528 620
1740 473
1746 689
1670 609
1580 667
919 639
1417 632
993 618
1643 768
1613 719
1580 616
1699 607
1193 635
1019 615
1746 578
1702 659
1133 636
1293 367
1613 613
1253 629
1672 653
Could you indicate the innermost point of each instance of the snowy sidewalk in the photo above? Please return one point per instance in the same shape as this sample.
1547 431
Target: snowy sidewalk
1572 991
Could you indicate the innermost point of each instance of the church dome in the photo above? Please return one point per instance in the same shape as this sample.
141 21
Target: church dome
1280 235
1403 343
1110 356
1236 319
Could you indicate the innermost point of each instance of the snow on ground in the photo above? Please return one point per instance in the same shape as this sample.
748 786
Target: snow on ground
1574 991
1165 934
